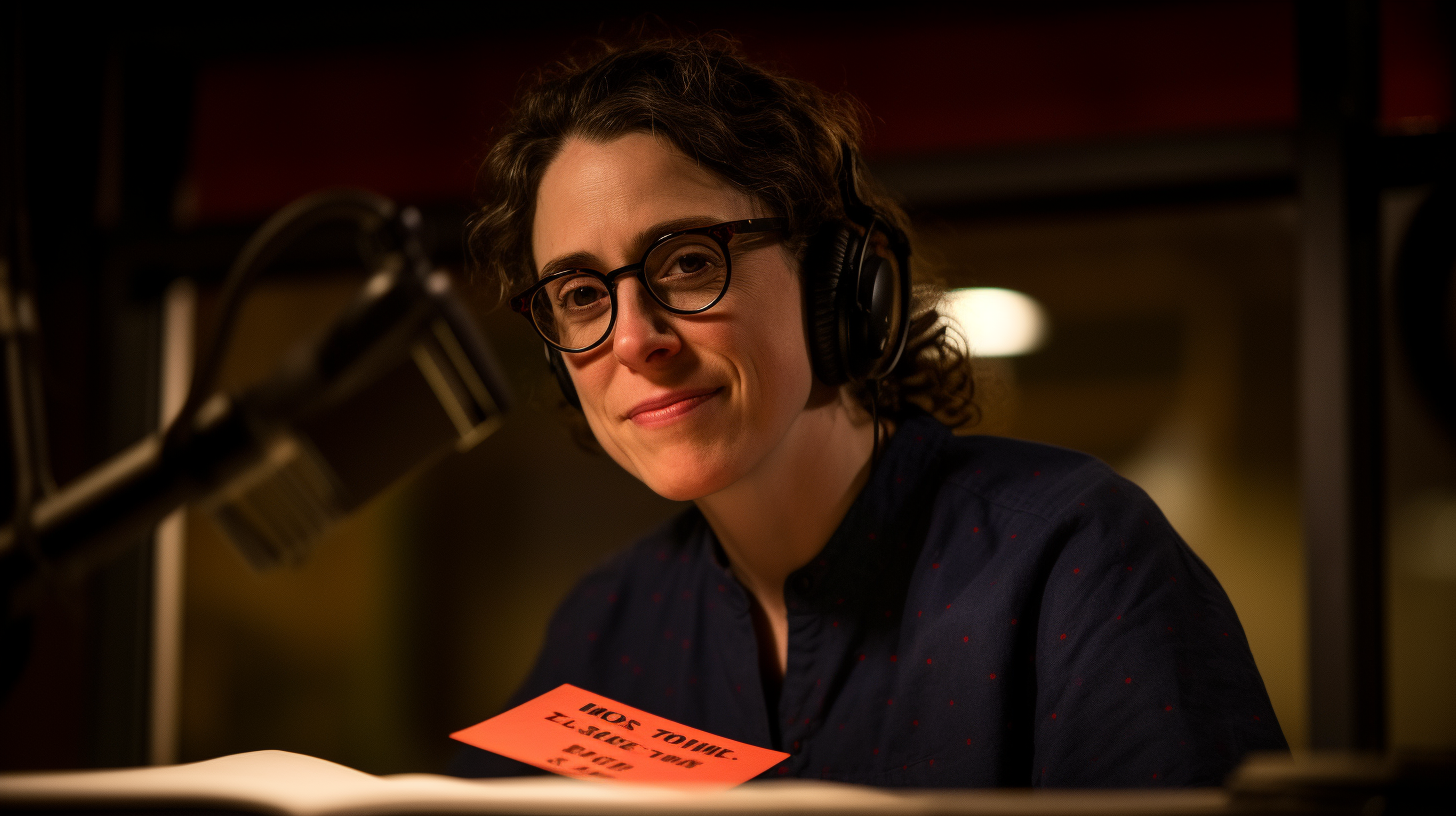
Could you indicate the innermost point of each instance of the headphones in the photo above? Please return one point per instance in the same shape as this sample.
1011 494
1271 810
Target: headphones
857 298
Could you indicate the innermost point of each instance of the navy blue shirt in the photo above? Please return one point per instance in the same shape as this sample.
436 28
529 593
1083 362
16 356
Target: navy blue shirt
990 612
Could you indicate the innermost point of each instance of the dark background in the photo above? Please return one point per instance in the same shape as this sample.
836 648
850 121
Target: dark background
1129 164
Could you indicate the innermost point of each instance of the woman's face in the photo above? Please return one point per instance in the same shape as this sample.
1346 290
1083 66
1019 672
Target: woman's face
689 404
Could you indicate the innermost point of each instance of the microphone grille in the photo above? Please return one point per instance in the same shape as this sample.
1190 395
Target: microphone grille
275 512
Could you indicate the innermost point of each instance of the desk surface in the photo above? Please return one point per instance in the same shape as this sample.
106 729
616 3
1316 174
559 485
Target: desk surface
278 783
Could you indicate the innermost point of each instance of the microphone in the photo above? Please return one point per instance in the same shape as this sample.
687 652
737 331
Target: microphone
399 380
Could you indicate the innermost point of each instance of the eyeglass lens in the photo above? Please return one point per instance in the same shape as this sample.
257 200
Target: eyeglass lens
685 273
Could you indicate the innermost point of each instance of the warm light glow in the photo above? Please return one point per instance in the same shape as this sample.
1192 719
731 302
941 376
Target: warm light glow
996 322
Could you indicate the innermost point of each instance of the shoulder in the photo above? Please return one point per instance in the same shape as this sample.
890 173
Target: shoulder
1020 508
676 545
618 605
655 565
1026 476
1039 482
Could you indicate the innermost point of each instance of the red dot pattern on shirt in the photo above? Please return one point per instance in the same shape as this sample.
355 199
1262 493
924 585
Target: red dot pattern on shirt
658 597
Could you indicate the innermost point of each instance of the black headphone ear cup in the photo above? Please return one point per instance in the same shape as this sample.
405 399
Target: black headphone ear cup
563 377
875 302
824 265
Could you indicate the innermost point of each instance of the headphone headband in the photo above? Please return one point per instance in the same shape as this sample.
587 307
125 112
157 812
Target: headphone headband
863 273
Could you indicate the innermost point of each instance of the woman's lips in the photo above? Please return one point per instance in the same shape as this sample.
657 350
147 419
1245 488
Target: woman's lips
668 407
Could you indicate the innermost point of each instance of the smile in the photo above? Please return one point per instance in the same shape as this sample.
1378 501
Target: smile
668 407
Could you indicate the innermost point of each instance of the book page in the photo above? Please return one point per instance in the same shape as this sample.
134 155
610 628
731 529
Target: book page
279 783
288 784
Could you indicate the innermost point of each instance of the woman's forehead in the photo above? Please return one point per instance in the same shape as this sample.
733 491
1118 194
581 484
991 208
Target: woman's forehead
601 198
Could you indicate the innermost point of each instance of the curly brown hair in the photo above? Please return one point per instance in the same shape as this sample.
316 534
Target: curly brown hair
776 138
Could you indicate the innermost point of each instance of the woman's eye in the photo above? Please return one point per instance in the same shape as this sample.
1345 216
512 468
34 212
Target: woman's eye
691 263
582 296
579 294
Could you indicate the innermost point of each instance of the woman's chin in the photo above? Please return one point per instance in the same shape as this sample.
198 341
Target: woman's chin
685 477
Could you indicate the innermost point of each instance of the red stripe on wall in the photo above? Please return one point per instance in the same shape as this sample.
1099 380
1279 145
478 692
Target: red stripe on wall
412 123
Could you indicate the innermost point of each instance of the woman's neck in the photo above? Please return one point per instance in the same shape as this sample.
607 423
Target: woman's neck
778 517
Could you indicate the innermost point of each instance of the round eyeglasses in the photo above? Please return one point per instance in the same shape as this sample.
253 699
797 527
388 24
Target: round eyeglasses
686 272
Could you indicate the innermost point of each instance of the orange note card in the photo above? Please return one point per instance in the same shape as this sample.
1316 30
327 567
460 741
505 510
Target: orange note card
573 732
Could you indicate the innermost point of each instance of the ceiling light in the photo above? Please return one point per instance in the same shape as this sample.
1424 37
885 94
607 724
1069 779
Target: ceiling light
996 322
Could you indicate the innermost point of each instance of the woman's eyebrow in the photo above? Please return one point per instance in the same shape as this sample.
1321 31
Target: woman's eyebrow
652 233
571 260
640 242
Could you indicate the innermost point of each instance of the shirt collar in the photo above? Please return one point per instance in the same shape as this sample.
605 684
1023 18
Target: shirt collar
879 538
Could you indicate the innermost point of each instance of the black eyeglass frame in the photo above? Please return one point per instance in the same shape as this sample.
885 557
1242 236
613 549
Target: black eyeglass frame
720 233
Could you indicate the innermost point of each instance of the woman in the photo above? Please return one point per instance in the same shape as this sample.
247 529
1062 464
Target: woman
887 602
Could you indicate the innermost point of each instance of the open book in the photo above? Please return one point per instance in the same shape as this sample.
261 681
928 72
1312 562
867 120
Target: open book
279 783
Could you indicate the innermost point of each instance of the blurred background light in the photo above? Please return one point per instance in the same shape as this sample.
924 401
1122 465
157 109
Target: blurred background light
996 322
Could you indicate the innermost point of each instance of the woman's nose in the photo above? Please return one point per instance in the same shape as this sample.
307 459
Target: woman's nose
644 334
